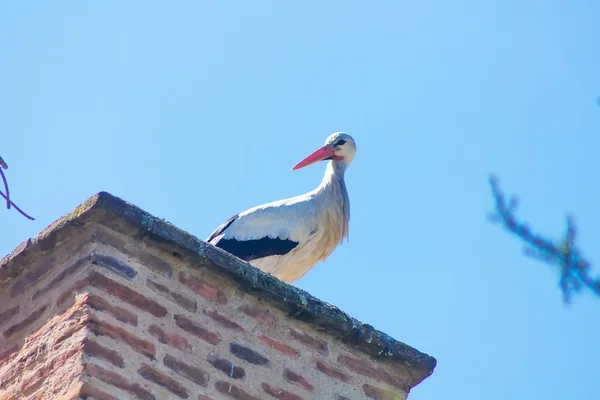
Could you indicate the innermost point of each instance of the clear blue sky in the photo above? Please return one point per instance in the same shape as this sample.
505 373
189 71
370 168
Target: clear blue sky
197 110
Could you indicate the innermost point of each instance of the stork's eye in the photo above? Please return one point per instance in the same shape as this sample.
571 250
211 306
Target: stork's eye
340 142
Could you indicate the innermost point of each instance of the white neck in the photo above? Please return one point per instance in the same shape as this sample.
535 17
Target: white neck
335 200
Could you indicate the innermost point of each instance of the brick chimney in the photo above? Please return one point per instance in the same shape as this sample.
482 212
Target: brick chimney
110 302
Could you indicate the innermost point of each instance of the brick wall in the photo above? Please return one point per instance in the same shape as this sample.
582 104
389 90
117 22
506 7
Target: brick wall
98 310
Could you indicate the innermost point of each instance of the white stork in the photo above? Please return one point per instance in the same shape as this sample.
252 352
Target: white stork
286 238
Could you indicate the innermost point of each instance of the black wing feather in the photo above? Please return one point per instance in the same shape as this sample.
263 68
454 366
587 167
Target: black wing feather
256 248
250 249
222 227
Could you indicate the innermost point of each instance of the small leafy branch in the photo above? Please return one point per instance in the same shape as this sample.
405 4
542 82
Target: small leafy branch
574 268
6 196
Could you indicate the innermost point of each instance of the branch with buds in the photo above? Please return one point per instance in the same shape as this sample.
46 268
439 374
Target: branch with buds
6 196
574 268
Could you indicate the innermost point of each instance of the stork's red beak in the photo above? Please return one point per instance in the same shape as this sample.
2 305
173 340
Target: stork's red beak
319 155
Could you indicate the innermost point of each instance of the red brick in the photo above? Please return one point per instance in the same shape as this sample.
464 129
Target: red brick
28 321
262 316
279 393
149 373
247 354
376 393
127 294
226 366
76 287
298 380
8 314
371 370
73 392
70 321
19 249
31 382
5 355
101 328
70 271
223 320
332 371
9 375
189 326
74 324
187 371
118 381
95 349
203 288
51 240
98 303
317 344
115 265
176 297
170 338
88 390
232 391
277 345
156 264
32 277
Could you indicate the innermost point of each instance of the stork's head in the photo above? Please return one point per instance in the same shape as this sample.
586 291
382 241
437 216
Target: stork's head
339 148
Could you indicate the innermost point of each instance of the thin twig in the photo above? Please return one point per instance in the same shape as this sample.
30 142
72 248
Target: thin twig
574 268
6 188
9 202
17 208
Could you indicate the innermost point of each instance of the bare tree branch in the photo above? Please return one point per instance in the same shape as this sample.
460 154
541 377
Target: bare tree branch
6 196
574 268
6 188
4 166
